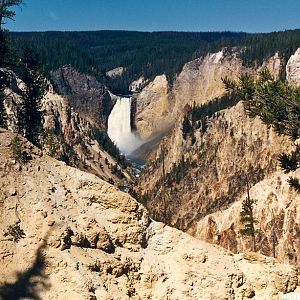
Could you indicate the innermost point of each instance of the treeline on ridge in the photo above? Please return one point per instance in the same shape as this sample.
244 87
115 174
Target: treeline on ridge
144 53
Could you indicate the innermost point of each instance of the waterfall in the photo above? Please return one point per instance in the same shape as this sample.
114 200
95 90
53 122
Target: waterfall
119 127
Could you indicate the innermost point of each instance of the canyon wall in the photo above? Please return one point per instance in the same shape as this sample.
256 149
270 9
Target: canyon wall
195 185
86 95
161 103
293 68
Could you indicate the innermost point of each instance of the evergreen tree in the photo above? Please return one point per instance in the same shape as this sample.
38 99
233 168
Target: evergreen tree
3 83
247 218
290 162
30 118
186 127
156 53
5 10
294 183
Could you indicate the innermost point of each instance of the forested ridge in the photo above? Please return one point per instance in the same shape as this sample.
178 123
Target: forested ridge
146 53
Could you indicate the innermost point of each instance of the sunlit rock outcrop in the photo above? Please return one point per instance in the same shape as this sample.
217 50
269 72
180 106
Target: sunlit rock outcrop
293 68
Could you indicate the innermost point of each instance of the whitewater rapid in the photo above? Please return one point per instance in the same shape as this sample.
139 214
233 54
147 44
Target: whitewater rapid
119 126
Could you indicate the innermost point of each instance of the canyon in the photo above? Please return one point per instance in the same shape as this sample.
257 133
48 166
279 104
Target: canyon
69 231
205 200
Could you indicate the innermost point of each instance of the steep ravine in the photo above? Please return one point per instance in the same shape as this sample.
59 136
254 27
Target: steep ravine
199 187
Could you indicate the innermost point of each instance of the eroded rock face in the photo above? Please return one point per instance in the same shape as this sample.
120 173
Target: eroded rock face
204 197
84 239
204 182
215 167
160 104
278 215
137 85
293 68
115 72
80 136
153 108
275 65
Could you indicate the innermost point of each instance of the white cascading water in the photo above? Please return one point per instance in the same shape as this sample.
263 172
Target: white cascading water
119 127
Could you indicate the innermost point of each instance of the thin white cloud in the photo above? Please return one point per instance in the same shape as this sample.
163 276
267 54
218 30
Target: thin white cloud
53 16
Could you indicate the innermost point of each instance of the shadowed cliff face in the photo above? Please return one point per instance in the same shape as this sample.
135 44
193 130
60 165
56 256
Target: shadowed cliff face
86 95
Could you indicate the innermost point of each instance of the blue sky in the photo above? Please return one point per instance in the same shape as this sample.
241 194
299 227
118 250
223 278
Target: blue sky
158 15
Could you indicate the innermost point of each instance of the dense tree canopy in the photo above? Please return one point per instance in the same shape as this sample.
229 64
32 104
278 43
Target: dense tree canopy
145 53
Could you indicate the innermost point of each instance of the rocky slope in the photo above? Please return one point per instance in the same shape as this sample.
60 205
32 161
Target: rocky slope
214 168
75 123
87 143
73 236
192 184
278 213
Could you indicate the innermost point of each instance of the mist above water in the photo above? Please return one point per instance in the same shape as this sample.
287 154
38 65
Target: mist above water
119 127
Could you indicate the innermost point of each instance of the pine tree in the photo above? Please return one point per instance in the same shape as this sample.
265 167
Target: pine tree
294 183
247 218
5 10
290 162
186 127
30 117
277 103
